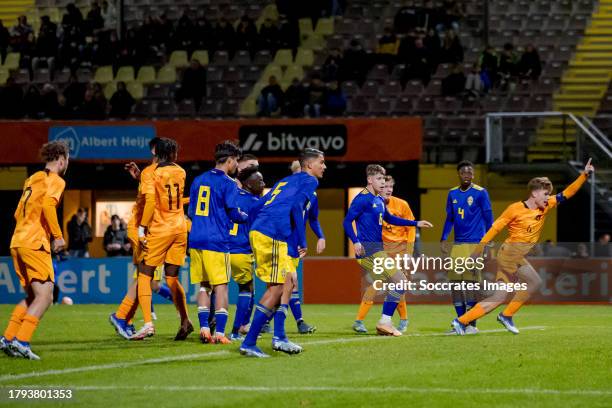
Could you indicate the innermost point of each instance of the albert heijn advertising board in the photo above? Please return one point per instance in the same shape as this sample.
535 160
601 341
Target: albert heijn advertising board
350 140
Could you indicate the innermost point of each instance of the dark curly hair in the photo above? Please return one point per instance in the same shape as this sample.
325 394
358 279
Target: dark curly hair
247 172
52 151
166 149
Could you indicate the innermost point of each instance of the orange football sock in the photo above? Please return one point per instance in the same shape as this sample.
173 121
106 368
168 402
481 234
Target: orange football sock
124 307
28 326
475 313
144 296
513 307
178 295
401 309
364 308
132 311
15 322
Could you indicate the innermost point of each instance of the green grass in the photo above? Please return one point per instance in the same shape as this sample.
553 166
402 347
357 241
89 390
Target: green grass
564 360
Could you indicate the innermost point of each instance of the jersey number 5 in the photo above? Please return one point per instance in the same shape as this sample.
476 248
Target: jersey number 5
203 198
276 192
461 212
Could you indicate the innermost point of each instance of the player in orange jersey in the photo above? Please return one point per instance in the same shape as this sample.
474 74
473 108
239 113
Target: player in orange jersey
31 246
397 240
524 220
163 235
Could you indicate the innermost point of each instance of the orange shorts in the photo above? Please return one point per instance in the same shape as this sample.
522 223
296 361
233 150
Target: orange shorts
132 235
32 264
169 249
509 261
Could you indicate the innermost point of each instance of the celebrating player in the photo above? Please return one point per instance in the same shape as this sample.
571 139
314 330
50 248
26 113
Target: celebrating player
213 207
368 210
468 211
36 219
525 220
163 235
276 214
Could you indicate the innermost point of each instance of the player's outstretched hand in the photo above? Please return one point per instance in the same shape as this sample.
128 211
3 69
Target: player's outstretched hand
589 168
424 224
320 245
445 247
58 245
133 169
359 249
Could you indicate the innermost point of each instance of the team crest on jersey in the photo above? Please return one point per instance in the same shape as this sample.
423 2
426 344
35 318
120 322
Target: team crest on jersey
455 201
470 200
538 217
373 205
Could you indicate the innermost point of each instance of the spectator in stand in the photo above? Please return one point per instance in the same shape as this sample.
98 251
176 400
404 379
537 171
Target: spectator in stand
225 37
530 65
474 84
270 99
454 83
433 44
430 16
11 96
74 93
453 11
99 95
246 35
79 235
295 100
331 67
121 102
69 49
49 102
418 65
46 45
31 102
507 66
5 38
72 19
268 36
94 21
165 28
91 108
115 238
582 252
109 15
489 63
27 49
355 63
603 248
20 33
406 18
386 51
316 97
193 85
335 104
452 50
288 33
183 36
203 34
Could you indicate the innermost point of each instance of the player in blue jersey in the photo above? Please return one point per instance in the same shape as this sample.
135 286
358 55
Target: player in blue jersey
276 215
241 254
468 212
368 210
213 207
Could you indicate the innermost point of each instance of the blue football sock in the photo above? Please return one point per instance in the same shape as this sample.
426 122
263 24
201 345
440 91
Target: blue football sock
164 292
152 308
459 308
390 303
203 315
261 316
279 321
244 298
221 315
296 306
249 311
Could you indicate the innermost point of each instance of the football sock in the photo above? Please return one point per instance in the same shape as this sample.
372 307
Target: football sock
124 307
144 296
203 314
260 317
390 305
132 311
242 306
470 305
279 322
460 308
178 296
364 308
515 304
15 322
221 321
296 306
249 311
164 292
475 313
401 309
27 328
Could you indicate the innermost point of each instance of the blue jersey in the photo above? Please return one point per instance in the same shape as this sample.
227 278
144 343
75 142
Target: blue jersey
213 206
369 211
311 215
469 212
239 234
282 208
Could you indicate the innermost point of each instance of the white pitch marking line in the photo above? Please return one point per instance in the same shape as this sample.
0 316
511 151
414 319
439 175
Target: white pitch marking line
9 377
426 390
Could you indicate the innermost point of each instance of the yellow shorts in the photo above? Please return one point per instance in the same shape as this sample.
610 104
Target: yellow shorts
374 269
32 264
464 251
170 249
157 275
242 267
295 262
509 260
209 266
271 258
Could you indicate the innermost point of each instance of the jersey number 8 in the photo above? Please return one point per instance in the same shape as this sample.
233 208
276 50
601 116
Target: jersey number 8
203 198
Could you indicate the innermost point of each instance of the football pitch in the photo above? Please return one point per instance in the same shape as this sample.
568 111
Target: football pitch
562 357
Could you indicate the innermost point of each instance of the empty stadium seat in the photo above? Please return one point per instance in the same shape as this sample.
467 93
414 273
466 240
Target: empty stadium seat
178 59
104 74
146 75
201 56
304 57
283 57
166 75
136 90
125 74
325 26
12 60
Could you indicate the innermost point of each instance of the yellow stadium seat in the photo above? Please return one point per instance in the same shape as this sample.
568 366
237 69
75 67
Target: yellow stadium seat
4 75
136 90
283 57
54 14
12 60
166 75
271 69
305 26
304 57
284 84
313 42
325 26
125 74
293 71
257 89
109 90
202 56
104 74
146 74
270 11
248 107
179 59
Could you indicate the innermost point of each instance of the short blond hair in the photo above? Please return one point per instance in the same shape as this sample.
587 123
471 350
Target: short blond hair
540 183
374 169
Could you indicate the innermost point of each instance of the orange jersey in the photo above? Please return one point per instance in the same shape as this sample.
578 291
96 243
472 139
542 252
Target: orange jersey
166 183
139 205
395 233
33 229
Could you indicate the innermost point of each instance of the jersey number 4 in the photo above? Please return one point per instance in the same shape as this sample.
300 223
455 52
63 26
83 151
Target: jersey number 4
203 201
461 212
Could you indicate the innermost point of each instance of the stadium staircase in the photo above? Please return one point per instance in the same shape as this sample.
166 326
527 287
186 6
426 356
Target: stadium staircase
11 9
583 86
